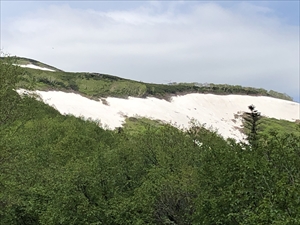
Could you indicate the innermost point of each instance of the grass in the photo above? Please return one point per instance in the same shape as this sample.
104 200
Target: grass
269 126
135 125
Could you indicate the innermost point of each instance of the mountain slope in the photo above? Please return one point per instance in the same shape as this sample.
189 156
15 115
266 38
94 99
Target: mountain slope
111 100
59 169
95 85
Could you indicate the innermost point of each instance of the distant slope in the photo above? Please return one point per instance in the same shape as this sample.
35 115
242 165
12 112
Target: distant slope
96 85
22 61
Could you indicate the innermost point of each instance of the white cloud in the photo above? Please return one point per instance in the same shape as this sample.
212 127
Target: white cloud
245 44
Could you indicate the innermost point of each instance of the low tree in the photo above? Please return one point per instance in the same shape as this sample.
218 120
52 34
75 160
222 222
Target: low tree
251 124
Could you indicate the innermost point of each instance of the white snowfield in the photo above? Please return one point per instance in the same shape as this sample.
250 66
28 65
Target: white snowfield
216 111
36 67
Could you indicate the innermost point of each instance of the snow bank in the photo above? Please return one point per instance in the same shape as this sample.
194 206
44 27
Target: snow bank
36 67
217 111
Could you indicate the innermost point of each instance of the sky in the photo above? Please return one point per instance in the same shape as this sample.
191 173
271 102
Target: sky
248 43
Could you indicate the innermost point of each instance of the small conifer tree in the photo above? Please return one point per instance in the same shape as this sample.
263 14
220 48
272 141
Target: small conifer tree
252 119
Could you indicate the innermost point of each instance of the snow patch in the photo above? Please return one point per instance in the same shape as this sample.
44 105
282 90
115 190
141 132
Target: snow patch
35 67
218 111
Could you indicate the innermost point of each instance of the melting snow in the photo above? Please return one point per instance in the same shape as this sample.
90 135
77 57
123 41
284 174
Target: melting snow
36 67
217 111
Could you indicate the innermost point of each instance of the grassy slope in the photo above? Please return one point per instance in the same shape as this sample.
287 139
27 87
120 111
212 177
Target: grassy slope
269 125
103 85
135 125
272 126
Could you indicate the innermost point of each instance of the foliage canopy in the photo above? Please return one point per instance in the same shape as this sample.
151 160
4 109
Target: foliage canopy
63 170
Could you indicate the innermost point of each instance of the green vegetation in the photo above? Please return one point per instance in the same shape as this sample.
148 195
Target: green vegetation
269 125
136 125
251 122
62 170
25 61
95 85
260 128
9 76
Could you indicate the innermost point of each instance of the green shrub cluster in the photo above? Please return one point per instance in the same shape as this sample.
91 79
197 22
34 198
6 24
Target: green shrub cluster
61 170
64 170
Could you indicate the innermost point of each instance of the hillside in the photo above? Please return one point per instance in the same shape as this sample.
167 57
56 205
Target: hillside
61 169
110 99
96 85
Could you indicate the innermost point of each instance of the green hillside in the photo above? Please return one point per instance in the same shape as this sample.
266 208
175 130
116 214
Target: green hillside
63 170
103 85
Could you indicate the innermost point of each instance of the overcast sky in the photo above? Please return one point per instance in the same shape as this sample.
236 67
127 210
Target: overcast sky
250 43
